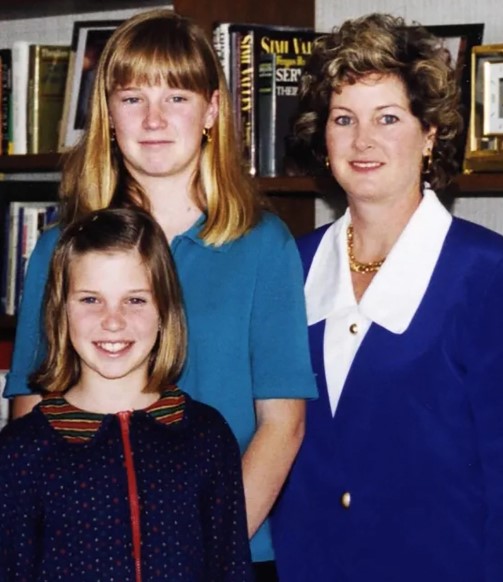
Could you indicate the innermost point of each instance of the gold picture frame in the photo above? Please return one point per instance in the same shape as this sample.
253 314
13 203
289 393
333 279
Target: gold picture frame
493 103
484 147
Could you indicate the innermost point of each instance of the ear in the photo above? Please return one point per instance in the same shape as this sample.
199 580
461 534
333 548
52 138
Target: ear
429 140
212 110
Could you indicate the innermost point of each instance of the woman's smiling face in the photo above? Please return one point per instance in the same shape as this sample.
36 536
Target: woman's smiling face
375 144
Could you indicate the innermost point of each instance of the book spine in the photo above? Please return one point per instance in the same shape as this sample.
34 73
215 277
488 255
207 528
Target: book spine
266 112
222 46
5 103
245 94
12 250
47 81
20 64
28 226
21 245
33 99
5 258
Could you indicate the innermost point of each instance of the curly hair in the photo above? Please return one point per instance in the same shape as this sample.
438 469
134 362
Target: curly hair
383 44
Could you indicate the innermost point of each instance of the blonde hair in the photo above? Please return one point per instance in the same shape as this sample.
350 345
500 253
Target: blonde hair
113 230
152 47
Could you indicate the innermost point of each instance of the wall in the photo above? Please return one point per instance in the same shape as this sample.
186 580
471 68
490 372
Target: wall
328 13
56 29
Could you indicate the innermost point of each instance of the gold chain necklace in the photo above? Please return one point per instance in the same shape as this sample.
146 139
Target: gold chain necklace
354 265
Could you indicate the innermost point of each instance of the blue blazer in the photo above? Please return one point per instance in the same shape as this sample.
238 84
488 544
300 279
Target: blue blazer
405 483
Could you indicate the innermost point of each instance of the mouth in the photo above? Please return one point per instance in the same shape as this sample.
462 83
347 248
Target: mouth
113 348
363 165
155 142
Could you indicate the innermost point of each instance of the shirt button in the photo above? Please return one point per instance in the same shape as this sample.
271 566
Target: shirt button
353 328
346 499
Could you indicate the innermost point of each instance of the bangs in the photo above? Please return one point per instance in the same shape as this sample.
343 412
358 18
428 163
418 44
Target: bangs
156 56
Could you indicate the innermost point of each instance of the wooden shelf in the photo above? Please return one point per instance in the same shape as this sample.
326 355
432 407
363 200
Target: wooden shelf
480 183
7 324
30 163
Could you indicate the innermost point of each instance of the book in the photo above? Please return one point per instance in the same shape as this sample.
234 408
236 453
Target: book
234 45
48 66
33 219
266 105
282 55
4 402
249 54
6 145
20 65
244 91
26 221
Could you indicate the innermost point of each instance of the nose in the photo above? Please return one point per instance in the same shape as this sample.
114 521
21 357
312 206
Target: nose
113 319
363 139
155 117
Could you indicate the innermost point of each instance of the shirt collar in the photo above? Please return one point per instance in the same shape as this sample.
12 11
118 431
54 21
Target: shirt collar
79 426
193 234
396 291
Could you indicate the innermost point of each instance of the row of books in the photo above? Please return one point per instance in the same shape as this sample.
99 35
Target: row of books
33 78
263 65
24 222
45 88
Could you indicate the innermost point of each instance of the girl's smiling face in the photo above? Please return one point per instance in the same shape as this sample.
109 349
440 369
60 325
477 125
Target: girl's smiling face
113 318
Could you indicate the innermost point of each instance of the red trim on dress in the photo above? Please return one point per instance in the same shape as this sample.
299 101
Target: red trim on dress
134 504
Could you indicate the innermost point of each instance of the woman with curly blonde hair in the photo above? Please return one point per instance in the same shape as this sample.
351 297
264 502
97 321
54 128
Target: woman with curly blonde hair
400 474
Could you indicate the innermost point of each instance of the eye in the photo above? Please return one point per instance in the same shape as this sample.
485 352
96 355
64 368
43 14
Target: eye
343 120
177 99
389 119
131 100
137 301
89 300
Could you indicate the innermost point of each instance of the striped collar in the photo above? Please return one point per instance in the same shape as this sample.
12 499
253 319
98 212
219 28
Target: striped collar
80 426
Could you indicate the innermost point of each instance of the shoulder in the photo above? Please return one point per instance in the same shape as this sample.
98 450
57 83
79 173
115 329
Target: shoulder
268 242
207 418
270 228
47 241
308 245
475 240
22 435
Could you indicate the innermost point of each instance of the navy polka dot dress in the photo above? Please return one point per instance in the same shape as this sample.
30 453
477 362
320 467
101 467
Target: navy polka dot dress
144 496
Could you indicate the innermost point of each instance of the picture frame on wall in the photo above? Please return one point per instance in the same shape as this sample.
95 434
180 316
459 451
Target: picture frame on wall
459 39
484 149
88 40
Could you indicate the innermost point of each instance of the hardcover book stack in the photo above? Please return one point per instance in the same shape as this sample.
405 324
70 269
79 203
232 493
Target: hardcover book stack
263 65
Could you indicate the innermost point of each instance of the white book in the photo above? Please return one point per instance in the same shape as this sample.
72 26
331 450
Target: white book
20 66
222 46
4 402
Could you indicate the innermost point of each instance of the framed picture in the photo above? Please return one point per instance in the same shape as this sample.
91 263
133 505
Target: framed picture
493 103
89 38
484 148
459 39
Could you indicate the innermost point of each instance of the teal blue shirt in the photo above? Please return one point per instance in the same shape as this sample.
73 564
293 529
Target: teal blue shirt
246 322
